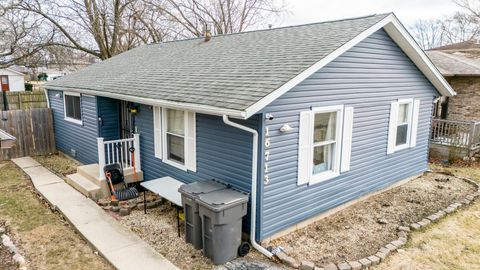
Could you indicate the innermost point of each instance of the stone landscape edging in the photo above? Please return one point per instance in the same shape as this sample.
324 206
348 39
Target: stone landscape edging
17 258
383 252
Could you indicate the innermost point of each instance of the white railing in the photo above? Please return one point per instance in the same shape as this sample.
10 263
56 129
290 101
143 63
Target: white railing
462 134
118 151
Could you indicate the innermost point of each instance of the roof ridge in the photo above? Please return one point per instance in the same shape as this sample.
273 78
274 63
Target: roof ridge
278 28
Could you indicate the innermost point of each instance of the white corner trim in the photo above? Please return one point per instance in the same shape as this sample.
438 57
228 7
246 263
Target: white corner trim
397 32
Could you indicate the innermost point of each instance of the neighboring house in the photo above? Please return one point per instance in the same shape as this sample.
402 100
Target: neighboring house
342 109
460 65
11 80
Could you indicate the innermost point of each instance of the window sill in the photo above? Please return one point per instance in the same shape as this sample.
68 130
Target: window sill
401 147
75 121
323 177
174 164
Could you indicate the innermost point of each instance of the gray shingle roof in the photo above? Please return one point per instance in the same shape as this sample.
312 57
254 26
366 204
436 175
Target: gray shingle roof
455 64
229 72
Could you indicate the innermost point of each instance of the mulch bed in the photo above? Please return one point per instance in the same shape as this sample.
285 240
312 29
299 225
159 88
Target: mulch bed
361 229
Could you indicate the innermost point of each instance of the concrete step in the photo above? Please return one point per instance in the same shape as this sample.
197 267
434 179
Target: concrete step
84 186
91 173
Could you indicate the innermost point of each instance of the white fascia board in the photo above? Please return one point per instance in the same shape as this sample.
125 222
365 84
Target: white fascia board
397 32
405 41
154 102
14 71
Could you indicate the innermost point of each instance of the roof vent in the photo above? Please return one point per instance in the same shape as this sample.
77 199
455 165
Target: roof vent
208 33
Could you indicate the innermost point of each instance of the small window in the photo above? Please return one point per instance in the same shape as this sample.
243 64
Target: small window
403 123
324 142
72 107
175 135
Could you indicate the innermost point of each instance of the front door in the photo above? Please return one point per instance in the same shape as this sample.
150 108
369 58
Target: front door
4 83
127 121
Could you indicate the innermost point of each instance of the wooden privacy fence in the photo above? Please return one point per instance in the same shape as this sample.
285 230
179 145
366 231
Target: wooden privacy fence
461 134
25 100
33 130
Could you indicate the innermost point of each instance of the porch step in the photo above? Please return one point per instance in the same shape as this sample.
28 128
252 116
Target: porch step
91 173
84 186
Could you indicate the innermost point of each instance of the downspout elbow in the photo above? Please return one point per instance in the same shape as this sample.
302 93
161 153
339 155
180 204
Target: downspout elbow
253 212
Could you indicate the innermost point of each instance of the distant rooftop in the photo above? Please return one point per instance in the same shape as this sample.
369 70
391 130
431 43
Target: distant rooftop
458 59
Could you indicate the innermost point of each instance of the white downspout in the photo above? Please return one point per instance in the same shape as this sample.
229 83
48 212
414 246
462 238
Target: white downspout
253 214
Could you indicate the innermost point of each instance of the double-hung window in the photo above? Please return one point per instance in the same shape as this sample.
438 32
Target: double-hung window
325 136
325 142
175 137
403 125
72 107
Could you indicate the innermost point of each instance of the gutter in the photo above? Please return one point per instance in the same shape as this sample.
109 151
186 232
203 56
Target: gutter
212 110
253 214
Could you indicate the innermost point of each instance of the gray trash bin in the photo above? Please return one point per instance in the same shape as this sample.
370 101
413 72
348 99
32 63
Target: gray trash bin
221 213
190 192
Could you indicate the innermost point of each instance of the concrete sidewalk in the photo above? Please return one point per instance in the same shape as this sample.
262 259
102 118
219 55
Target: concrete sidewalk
121 247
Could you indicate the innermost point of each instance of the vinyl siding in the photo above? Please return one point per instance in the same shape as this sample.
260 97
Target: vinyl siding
108 111
71 136
368 77
223 152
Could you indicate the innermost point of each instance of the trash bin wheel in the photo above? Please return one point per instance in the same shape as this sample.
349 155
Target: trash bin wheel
243 249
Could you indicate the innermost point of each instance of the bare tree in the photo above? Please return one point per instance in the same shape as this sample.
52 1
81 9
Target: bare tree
226 16
452 29
33 30
428 33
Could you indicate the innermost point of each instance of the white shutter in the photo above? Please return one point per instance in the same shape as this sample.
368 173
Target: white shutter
392 128
305 151
347 139
190 142
415 114
157 131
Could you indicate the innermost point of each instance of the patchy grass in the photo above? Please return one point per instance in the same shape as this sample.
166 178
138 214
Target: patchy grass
58 163
47 241
453 243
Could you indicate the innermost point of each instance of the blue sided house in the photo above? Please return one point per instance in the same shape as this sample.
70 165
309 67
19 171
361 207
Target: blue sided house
304 118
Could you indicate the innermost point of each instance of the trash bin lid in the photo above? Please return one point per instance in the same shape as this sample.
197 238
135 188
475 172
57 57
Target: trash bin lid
201 187
221 199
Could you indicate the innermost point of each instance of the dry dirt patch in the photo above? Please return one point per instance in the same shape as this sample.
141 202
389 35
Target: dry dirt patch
159 229
361 229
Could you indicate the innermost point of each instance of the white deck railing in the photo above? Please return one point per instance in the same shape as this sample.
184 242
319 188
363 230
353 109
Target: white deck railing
462 134
118 151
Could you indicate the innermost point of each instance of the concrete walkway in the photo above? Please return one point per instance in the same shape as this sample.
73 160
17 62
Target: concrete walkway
121 247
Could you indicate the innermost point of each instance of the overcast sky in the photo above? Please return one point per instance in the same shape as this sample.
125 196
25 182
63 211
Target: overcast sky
408 11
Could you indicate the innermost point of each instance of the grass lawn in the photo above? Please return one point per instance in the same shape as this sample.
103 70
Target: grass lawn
44 238
452 243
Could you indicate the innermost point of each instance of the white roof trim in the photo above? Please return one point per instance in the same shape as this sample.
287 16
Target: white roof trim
14 71
397 32
155 102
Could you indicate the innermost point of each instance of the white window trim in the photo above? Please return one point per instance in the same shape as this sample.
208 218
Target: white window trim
69 119
318 178
396 148
164 141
